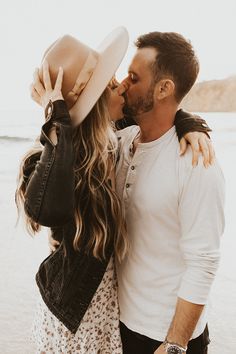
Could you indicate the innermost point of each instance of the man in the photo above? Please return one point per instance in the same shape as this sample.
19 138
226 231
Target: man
174 212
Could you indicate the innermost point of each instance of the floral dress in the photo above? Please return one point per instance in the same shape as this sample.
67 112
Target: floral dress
98 331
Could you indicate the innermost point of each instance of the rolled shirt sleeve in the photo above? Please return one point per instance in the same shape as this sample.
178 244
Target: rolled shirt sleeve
201 215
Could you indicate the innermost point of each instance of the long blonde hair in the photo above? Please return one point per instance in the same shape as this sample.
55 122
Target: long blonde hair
98 213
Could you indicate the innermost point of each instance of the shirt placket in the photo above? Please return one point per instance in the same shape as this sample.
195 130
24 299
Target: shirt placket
130 180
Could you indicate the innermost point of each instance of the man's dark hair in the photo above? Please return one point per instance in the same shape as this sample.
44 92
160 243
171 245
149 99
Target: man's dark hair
175 59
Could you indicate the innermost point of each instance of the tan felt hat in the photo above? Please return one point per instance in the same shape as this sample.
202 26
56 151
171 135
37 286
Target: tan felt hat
87 72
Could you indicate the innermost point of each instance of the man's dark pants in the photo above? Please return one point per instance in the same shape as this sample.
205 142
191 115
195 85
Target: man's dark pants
135 343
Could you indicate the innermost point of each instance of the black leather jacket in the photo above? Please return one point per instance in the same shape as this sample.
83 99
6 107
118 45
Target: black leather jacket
68 279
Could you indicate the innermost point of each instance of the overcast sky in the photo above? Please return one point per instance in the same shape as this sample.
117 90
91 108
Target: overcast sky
28 27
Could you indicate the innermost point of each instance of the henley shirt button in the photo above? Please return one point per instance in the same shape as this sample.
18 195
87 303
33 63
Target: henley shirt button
132 167
127 185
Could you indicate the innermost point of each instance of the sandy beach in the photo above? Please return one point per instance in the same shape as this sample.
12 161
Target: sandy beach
20 254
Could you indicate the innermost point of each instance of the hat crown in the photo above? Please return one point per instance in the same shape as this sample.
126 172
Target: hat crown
72 55
86 72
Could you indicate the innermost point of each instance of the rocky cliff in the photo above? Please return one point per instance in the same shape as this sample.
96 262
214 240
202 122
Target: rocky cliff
212 96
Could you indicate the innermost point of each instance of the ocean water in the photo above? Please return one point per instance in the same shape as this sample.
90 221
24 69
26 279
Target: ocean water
20 254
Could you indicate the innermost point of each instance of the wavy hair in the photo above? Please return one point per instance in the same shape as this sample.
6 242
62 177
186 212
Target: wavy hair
98 213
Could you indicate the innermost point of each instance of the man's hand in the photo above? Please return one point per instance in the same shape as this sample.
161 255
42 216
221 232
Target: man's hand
200 143
53 244
42 92
160 350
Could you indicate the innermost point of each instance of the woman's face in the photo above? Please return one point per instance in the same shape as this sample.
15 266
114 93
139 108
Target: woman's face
116 100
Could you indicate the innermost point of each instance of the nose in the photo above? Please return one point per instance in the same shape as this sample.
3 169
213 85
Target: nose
125 81
123 87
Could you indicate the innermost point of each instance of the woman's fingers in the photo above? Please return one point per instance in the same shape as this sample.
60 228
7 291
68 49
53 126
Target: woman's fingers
195 149
205 151
42 93
200 143
46 76
59 79
38 84
183 146
192 139
211 151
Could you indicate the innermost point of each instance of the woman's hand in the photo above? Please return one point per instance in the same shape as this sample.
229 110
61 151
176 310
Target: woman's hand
200 144
42 92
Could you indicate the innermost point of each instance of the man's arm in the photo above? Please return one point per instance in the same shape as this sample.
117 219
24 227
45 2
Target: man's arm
184 322
201 216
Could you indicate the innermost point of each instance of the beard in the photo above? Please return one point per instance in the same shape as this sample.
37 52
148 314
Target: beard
141 105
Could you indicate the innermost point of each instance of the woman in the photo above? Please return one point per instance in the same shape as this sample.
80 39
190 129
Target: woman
68 185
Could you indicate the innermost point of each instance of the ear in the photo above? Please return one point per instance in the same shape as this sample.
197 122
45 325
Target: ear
164 89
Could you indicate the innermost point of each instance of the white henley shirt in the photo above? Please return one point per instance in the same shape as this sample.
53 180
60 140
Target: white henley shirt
175 219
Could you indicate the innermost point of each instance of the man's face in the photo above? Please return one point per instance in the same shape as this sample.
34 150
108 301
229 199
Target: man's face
140 83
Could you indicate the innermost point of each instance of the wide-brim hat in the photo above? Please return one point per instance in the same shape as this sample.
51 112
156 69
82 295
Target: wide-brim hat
87 72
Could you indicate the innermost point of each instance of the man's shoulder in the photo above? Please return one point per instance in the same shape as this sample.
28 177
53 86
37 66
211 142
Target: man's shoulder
200 172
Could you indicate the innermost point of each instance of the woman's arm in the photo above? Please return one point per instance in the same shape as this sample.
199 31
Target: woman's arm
49 196
186 122
190 129
194 130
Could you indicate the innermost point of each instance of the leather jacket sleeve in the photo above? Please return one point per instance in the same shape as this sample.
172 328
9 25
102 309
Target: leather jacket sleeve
185 122
49 196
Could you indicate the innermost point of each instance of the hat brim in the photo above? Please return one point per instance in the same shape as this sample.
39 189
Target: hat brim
111 52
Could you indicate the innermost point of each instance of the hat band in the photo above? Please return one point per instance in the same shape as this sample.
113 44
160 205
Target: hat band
83 77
